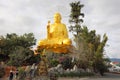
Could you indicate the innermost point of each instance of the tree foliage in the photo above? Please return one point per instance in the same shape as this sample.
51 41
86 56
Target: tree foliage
75 17
89 45
17 48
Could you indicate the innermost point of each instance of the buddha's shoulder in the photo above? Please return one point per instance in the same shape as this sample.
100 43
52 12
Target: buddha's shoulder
63 24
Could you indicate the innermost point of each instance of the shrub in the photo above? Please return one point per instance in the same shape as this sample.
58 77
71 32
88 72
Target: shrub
54 62
66 62
2 72
22 74
76 74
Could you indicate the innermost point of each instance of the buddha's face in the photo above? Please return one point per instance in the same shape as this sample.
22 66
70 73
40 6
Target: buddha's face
57 18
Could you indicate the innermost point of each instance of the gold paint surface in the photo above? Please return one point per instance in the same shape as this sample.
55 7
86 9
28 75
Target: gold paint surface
57 36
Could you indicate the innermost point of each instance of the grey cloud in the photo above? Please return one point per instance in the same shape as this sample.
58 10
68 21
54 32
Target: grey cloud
22 16
104 17
2 21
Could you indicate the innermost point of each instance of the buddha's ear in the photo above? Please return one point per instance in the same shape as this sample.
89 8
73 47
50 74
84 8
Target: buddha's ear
60 17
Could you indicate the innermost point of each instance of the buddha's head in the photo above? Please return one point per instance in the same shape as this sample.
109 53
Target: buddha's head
57 18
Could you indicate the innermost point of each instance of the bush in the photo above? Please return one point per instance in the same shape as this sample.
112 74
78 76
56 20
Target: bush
66 62
22 74
76 74
54 62
2 72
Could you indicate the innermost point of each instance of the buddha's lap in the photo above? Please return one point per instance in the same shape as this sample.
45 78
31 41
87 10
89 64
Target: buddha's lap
55 41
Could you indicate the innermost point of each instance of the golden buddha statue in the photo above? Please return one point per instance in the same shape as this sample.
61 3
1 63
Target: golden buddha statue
56 33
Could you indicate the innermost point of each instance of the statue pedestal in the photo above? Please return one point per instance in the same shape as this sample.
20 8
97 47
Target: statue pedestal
56 48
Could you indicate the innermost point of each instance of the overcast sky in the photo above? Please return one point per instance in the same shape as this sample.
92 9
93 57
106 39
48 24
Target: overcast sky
24 16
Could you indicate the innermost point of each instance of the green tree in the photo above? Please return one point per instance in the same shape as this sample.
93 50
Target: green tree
94 47
88 43
3 45
75 17
19 56
75 28
76 20
17 48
